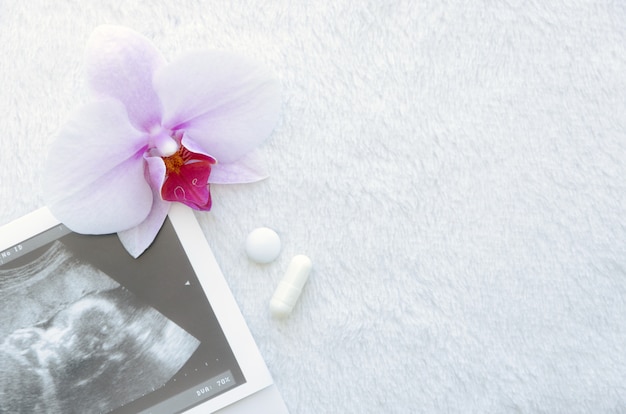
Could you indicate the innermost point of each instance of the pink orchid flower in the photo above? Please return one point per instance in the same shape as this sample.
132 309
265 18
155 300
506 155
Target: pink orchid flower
157 133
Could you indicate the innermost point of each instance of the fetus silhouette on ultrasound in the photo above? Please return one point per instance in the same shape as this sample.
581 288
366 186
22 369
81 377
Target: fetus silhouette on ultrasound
98 353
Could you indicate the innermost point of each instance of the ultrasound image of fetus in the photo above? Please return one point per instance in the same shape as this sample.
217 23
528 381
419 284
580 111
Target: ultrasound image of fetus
100 352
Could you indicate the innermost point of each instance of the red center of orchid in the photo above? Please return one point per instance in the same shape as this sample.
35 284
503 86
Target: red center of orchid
187 178
175 162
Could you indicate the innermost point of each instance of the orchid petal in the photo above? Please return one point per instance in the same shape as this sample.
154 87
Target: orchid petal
156 171
192 146
95 181
120 63
137 239
247 169
226 103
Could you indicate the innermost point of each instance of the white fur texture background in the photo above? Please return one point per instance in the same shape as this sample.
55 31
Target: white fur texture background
456 171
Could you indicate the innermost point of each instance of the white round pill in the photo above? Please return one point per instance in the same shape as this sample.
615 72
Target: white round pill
263 245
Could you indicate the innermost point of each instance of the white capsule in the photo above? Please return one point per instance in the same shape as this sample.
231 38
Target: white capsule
290 287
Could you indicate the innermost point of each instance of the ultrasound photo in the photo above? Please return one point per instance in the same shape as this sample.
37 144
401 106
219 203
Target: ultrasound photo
73 340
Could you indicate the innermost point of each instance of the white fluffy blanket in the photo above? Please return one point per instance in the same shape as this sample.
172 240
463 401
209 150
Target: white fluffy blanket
456 171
